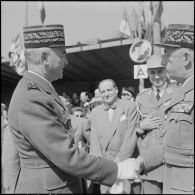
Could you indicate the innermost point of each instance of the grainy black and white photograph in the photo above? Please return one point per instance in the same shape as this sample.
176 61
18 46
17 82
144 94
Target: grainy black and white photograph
97 97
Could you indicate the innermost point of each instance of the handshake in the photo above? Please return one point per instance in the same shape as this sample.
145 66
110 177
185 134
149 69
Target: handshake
130 168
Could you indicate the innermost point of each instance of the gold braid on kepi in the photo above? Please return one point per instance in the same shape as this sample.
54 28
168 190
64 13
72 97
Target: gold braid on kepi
179 36
44 36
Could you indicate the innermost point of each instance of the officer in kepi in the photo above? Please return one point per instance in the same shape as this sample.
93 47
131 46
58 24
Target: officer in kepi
179 140
50 161
151 132
178 143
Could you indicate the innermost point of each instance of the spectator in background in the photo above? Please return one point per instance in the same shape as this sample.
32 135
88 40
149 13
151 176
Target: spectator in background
75 99
10 156
112 130
84 102
97 93
128 93
77 111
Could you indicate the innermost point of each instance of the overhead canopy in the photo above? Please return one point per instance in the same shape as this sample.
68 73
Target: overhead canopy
88 63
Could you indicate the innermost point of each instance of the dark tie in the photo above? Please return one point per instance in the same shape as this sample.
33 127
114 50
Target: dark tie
158 94
110 107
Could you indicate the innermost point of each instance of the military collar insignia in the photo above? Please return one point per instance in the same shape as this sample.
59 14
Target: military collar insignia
33 85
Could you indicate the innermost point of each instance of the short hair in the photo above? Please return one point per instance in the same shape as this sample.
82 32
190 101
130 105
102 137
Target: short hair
35 55
109 80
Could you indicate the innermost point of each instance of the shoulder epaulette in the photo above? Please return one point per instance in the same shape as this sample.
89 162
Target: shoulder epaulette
33 85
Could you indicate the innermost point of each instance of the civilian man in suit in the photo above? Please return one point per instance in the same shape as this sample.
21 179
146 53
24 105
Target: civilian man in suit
177 151
112 127
50 161
150 105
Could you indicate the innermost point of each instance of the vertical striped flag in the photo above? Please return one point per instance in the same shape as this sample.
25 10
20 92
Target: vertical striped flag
159 10
124 26
41 7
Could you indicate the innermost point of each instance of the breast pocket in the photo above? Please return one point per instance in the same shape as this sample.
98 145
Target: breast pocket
179 134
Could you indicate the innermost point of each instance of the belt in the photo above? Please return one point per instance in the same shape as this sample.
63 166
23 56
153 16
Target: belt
33 163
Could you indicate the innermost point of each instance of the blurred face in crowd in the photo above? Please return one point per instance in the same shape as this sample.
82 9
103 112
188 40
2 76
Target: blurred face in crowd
126 95
55 63
74 96
83 96
178 62
157 76
97 93
78 113
108 91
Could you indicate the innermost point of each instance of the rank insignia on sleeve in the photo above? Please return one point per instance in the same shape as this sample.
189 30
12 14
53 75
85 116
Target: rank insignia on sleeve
33 85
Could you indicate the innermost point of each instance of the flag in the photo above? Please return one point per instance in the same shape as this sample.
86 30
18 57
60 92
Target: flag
149 29
134 21
142 19
16 55
124 26
159 11
42 11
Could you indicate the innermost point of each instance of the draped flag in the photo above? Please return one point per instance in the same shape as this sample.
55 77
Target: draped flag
149 29
124 26
16 55
159 11
42 11
134 21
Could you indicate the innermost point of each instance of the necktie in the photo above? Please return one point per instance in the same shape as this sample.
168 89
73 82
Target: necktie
158 94
110 107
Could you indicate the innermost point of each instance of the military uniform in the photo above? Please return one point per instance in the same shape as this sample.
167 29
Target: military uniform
50 163
179 141
148 106
179 115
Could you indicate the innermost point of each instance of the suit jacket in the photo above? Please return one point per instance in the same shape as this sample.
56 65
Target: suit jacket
148 105
115 140
49 160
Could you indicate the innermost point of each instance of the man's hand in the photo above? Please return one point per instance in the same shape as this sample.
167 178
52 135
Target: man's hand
150 123
128 169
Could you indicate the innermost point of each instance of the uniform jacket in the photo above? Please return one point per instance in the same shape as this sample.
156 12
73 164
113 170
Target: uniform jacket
152 140
179 139
115 139
37 121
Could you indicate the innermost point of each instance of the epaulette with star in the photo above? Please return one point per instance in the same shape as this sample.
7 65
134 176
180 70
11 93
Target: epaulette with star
33 85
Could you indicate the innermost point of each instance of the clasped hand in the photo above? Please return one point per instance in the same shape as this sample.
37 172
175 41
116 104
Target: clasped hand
130 168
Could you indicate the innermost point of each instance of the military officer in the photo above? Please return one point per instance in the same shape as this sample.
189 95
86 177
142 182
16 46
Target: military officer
50 161
177 150
179 139
150 105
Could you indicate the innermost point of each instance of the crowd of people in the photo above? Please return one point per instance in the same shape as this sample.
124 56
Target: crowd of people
110 141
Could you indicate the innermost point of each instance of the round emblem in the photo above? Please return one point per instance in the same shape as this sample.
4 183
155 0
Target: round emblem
140 50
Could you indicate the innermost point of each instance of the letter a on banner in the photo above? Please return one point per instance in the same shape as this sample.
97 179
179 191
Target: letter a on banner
140 71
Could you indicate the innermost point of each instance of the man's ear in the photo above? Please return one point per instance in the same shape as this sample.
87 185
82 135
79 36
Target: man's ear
44 57
187 60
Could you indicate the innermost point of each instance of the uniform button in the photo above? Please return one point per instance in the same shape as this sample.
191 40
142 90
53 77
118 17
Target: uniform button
162 146
166 116
163 161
